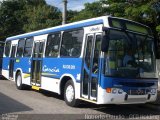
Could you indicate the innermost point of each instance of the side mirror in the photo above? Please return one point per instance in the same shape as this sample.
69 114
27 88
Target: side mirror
105 43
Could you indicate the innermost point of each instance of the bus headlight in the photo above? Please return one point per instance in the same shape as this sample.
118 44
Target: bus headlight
114 90
120 91
153 91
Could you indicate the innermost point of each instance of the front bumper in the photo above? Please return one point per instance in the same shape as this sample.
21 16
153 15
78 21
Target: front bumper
124 98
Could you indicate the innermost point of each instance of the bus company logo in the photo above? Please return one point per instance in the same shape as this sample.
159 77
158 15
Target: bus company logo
95 29
47 69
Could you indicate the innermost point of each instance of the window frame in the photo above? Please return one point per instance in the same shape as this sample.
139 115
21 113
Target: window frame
23 39
9 49
31 38
62 38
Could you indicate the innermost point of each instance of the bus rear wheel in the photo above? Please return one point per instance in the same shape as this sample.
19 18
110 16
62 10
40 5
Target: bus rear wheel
19 84
69 94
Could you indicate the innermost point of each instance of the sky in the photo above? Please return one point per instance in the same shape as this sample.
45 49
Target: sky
72 4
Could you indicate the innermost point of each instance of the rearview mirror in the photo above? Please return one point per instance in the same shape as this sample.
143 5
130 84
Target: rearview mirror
105 43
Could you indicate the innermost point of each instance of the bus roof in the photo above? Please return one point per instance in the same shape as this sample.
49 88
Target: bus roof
93 21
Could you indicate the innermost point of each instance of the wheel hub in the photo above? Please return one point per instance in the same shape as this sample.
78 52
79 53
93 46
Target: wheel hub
18 80
70 93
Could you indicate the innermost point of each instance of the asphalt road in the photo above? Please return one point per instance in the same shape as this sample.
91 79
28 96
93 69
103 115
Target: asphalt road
33 105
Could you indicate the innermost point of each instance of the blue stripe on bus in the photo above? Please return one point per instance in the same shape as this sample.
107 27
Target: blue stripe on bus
53 67
61 28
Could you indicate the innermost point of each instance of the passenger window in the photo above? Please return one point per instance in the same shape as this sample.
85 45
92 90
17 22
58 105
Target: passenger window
7 48
52 47
72 43
28 47
20 48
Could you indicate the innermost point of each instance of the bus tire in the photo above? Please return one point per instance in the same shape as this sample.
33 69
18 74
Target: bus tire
19 84
69 94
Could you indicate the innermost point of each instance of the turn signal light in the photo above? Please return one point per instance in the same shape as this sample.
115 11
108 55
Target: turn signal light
108 90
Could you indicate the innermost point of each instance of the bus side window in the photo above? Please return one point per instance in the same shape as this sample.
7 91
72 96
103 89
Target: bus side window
7 48
28 47
72 43
52 47
20 48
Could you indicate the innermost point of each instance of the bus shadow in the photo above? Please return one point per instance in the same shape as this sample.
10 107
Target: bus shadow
51 94
9 105
2 77
125 111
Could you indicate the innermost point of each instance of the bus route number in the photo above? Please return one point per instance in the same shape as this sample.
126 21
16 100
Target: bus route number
69 67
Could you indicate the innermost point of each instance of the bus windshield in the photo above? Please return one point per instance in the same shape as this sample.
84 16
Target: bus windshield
129 55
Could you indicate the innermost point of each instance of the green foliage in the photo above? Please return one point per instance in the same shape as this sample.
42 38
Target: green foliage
91 10
41 16
10 19
21 16
138 10
70 15
158 28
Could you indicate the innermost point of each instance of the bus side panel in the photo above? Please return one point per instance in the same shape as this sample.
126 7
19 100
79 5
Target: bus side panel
54 68
5 67
25 65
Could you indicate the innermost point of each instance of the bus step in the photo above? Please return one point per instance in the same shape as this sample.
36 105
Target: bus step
35 88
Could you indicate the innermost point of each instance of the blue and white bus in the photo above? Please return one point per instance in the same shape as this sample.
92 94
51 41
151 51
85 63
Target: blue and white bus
86 60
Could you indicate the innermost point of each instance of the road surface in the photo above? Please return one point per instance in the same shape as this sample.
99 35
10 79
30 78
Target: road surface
33 105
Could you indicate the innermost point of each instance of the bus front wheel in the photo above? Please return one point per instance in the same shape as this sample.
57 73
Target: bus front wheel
19 84
69 94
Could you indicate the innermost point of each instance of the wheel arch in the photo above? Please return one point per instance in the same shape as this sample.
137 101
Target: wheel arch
63 81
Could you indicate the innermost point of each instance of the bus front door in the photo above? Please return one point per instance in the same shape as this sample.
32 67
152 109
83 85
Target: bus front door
11 62
91 66
36 67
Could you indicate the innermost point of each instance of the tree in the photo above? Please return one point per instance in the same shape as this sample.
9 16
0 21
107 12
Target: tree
158 29
91 10
11 22
70 15
41 16
114 7
21 16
